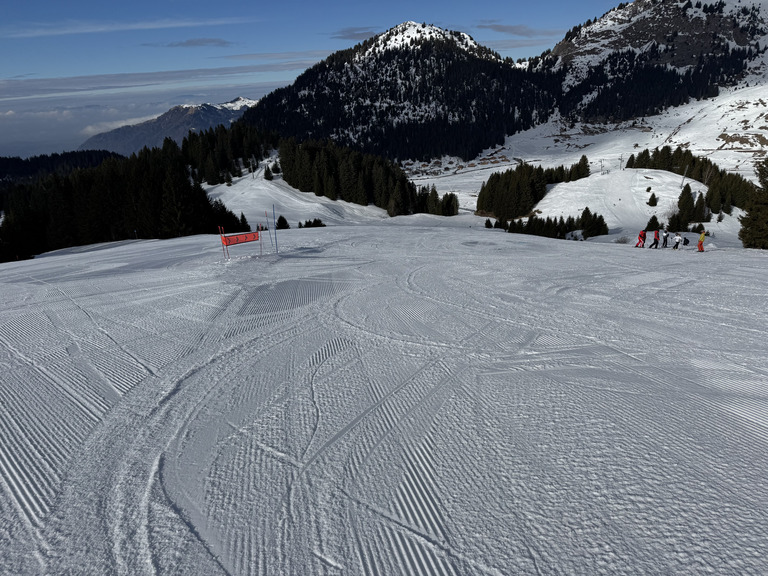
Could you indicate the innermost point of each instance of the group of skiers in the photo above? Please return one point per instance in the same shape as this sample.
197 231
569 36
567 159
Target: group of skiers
678 238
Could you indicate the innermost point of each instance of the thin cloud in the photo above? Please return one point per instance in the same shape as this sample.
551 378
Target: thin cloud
93 129
106 84
519 30
289 58
75 27
197 43
354 33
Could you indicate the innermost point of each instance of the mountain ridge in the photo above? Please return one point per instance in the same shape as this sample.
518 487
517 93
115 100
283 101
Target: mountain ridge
420 92
176 123
417 91
421 97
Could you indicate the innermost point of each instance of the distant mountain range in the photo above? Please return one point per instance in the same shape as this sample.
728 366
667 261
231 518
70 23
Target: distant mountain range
175 124
420 92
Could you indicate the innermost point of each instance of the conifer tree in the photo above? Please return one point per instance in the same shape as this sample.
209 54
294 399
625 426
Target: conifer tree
685 206
699 209
754 224
244 226
653 223
282 223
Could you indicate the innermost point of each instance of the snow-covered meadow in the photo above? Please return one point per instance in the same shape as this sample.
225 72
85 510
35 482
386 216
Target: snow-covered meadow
415 395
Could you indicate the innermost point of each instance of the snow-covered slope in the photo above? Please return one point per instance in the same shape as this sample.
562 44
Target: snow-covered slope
383 399
412 34
252 195
681 32
620 196
730 130
415 395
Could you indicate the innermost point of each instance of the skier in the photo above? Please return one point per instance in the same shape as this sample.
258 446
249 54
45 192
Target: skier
701 240
678 239
640 240
655 243
665 235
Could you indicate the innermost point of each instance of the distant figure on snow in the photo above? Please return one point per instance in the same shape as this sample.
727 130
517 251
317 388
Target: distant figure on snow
678 239
640 240
701 240
655 243
665 235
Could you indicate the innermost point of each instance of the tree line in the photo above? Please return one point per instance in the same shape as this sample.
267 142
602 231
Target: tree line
151 194
158 192
341 173
514 192
588 223
610 91
725 189
754 224
219 154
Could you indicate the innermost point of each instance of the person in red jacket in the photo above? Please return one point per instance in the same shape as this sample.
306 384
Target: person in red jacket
640 240
655 243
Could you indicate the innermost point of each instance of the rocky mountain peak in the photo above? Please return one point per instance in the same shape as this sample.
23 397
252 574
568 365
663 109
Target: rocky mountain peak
413 35
679 33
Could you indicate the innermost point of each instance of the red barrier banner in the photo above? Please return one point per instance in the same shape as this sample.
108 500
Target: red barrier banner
239 238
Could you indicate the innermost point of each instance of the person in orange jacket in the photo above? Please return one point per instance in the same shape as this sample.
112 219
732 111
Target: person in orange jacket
701 240
640 240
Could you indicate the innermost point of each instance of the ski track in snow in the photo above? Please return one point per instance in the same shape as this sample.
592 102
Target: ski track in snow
384 400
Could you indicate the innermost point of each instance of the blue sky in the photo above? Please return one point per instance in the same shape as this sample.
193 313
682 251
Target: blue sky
72 69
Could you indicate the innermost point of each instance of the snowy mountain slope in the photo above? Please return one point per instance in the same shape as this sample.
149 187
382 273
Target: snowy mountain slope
419 92
620 196
683 32
413 35
413 91
383 399
175 124
731 130
252 195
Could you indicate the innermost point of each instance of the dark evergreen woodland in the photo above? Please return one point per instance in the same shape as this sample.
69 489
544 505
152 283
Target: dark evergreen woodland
221 153
17 169
590 225
754 225
149 195
725 189
617 80
419 101
513 193
341 173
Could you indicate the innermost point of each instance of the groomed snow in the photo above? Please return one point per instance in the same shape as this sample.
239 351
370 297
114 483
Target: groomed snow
385 396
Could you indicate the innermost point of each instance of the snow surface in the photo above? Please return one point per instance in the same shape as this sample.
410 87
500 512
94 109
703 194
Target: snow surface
405 34
415 395
411 395
237 104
